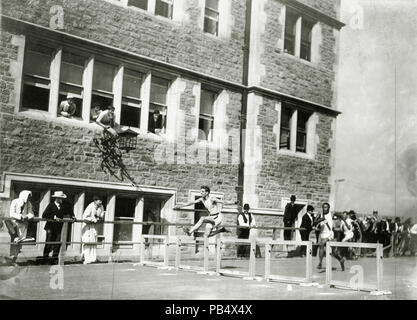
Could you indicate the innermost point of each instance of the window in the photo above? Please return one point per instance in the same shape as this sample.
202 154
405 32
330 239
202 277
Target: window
298 35
152 213
285 134
163 8
71 82
158 101
102 84
306 34
290 32
142 4
124 211
36 77
95 84
131 95
294 126
211 17
302 119
206 118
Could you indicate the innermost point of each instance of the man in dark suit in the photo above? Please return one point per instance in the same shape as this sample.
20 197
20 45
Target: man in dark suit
307 224
290 213
55 210
155 122
395 230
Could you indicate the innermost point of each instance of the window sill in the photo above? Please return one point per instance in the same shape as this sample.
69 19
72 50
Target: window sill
45 115
216 38
74 122
296 154
306 62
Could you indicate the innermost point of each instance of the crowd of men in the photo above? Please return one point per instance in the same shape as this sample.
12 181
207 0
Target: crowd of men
400 236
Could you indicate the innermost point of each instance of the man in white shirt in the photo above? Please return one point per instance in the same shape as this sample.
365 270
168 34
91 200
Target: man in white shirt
306 226
214 218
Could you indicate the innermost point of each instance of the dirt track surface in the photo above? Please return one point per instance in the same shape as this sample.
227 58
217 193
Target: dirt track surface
132 281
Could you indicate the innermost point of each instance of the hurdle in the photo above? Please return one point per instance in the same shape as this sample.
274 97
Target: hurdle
206 252
250 275
161 265
307 280
373 289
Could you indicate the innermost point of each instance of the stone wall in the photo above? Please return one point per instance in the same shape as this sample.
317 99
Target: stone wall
54 147
182 43
311 81
282 175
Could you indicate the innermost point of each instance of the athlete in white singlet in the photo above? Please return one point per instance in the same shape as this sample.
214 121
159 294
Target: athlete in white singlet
214 219
347 227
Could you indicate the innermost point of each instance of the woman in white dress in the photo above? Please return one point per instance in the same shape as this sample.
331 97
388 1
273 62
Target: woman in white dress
93 213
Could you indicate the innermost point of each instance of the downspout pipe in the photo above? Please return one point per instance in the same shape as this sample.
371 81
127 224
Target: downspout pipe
244 109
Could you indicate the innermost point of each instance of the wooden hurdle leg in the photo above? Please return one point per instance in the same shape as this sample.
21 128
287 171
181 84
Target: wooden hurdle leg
392 249
206 254
379 271
309 262
267 260
252 259
328 264
218 255
178 254
63 249
142 250
166 251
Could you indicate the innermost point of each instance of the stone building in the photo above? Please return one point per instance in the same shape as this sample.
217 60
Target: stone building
246 90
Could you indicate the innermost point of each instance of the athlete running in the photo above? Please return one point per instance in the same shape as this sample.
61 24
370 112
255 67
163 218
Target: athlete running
347 227
213 220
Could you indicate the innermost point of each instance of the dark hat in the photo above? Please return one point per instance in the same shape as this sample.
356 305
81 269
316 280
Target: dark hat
310 208
293 198
246 206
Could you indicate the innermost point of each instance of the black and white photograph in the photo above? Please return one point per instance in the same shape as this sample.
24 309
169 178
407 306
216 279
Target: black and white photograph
212 153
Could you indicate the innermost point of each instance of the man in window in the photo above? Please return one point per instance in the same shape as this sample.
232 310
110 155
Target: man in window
95 111
155 122
68 107
106 119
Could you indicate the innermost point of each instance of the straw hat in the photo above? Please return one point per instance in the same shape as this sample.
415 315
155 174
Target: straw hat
59 194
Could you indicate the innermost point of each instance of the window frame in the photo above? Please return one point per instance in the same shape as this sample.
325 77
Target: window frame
88 90
299 36
206 116
308 132
286 129
217 12
133 102
151 7
159 105
37 80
